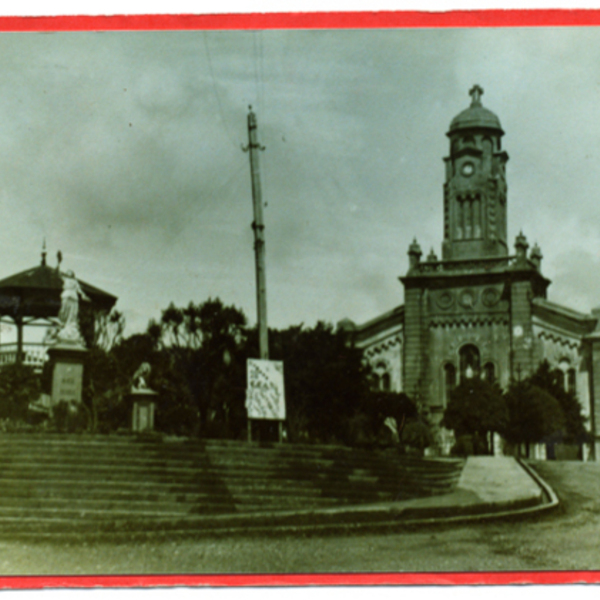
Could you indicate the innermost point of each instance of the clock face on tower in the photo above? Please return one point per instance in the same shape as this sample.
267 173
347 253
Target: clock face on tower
467 169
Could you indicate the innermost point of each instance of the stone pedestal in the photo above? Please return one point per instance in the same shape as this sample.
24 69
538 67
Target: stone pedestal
67 373
143 406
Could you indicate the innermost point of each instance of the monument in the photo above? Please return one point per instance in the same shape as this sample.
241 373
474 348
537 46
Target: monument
143 401
67 350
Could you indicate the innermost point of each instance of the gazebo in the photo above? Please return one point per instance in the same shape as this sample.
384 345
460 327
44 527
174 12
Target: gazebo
31 298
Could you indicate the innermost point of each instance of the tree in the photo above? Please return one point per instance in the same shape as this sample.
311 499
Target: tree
203 345
326 381
102 387
552 381
475 408
108 329
103 390
200 325
533 414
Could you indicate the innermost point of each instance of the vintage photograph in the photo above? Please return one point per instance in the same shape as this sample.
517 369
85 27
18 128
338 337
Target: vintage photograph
299 301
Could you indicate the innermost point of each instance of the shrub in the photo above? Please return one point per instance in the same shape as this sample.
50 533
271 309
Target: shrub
417 435
463 446
19 386
70 417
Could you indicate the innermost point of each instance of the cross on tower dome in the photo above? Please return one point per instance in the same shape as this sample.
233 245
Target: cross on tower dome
476 92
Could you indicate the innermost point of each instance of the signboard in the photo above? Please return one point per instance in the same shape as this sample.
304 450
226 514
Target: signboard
265 396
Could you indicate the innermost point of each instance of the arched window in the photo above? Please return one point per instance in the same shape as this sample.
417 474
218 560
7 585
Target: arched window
469 362
489 372
449 380
487 147
563 373
572 381
376 382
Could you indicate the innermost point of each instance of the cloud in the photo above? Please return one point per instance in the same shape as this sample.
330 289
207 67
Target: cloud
123 149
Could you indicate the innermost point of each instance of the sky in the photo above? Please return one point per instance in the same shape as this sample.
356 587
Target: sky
123 151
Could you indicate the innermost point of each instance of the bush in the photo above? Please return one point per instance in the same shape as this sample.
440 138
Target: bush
18 426
360 430
70 417
463 446
417 435
19 386
469 445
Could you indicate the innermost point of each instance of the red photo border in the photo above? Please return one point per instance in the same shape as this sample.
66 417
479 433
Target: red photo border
35 582
293 20
314 20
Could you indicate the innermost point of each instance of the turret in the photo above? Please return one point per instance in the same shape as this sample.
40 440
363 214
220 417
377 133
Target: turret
536 257
521 246
414 254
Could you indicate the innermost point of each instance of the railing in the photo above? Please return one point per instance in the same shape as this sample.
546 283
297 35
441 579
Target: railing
34 355
477 264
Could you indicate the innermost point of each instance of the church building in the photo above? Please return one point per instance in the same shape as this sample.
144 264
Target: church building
480 310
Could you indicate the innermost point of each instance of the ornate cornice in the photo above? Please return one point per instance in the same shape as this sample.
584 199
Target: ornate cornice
449 322
559 339
381 347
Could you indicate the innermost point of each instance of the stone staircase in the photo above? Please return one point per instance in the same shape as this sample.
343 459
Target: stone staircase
58 483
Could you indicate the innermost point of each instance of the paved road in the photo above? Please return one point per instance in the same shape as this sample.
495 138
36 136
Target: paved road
568 540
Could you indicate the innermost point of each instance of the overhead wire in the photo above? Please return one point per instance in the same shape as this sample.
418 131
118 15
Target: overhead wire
260 100
217 96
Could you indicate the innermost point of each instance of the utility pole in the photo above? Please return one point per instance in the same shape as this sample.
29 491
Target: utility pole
259 248
259 236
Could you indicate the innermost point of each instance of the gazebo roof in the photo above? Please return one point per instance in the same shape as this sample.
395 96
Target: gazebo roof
36 293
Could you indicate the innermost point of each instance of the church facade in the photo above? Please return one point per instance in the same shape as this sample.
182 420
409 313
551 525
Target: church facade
481 309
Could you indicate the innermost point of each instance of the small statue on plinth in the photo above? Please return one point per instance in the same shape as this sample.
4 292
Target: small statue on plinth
139 377
143 400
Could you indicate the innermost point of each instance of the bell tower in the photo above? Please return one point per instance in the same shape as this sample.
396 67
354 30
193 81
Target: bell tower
475 186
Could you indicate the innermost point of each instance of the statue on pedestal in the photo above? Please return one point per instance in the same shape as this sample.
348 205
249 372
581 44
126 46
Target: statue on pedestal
68 316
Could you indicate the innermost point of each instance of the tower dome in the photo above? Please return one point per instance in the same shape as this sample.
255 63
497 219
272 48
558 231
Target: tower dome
476 116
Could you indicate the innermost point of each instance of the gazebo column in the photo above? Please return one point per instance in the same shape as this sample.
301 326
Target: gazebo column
19 324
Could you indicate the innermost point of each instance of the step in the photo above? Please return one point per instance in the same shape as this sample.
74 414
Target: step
214 476
113 443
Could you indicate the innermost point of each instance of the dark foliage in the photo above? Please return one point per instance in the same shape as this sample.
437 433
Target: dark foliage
326 382
378 406
551 380
19 385
469 445
417 435
198 358
476 407
69 417
533 414
104 387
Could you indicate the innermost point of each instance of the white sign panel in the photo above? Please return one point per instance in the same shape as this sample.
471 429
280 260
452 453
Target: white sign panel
265 396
